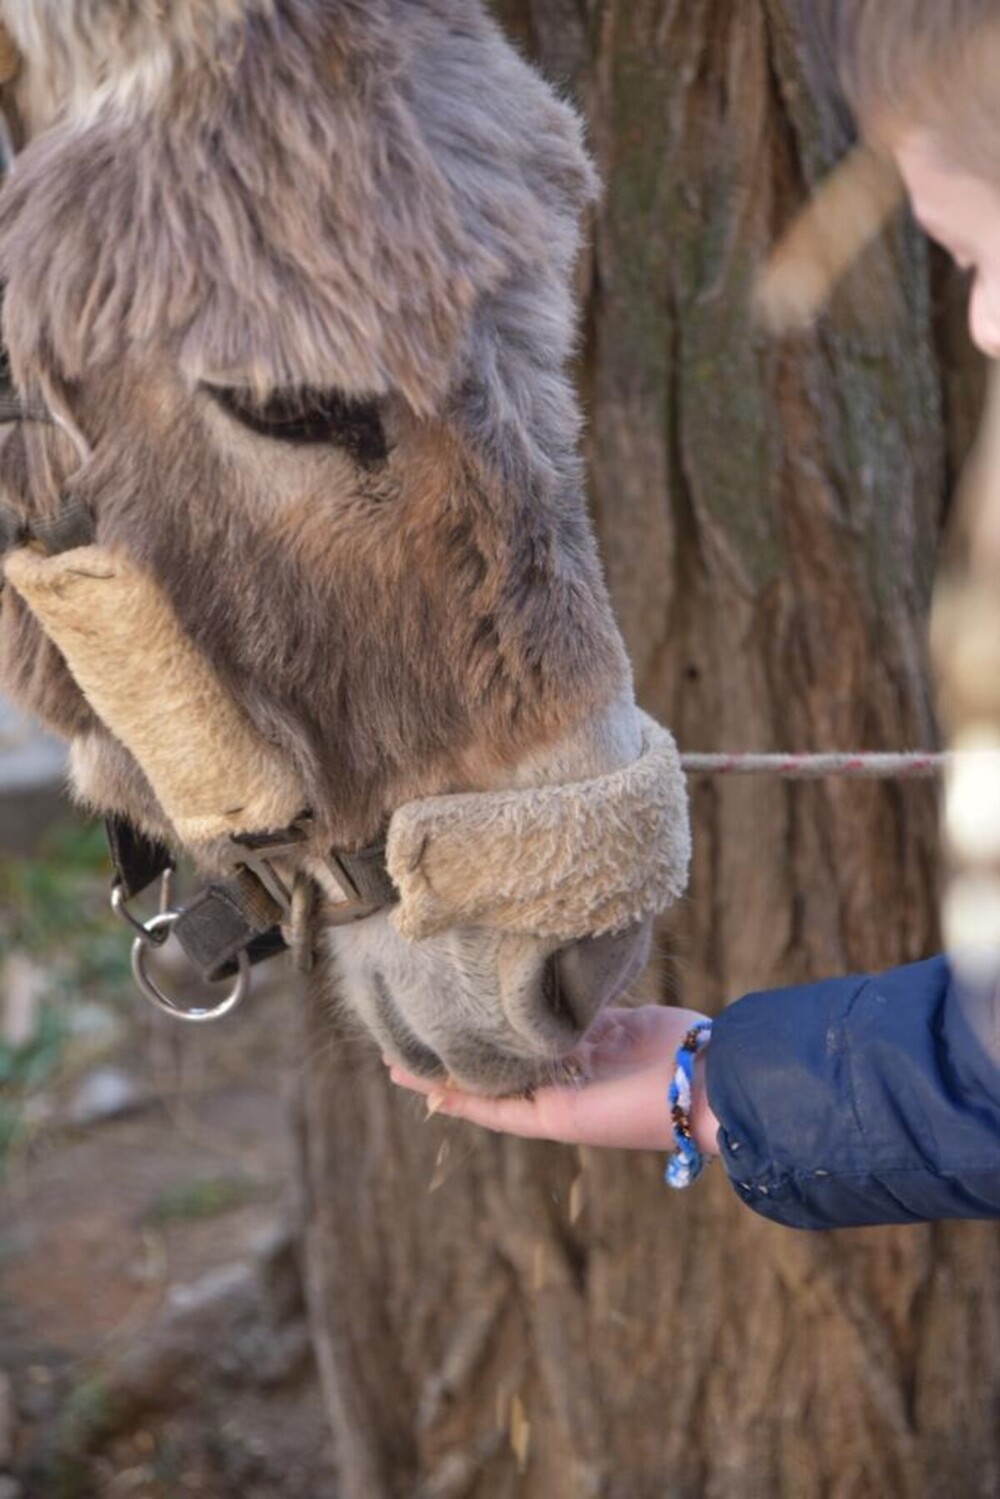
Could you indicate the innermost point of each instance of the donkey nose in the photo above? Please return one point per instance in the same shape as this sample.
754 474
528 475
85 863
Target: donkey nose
580 980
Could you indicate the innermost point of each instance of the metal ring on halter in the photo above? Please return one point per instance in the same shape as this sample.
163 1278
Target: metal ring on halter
150 937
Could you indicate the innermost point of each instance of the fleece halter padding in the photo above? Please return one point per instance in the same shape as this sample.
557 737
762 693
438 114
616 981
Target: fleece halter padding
561 861
212 773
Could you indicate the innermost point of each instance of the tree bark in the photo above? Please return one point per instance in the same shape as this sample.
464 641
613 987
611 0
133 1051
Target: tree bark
496 1318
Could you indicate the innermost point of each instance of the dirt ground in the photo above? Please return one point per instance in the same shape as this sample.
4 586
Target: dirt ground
152 1336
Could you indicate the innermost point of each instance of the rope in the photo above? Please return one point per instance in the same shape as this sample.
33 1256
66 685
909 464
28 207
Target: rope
910 766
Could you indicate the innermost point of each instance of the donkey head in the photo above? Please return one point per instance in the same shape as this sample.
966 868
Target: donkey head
293 279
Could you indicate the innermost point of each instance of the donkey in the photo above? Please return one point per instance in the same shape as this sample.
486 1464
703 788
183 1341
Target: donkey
292 281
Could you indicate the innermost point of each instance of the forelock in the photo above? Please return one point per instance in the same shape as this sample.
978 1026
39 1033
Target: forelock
329 208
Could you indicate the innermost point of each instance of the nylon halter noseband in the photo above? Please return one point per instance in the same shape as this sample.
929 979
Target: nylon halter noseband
267 906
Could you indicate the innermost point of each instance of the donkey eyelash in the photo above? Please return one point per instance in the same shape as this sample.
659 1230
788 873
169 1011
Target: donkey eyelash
306 415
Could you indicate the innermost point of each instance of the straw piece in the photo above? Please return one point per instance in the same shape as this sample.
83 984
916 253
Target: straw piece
520 1432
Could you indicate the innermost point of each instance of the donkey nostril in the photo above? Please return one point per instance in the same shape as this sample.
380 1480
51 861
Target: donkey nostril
553 1003
594 970
557 998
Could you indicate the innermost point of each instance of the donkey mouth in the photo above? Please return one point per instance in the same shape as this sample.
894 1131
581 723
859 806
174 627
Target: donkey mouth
542 1012
476 1065
416 1056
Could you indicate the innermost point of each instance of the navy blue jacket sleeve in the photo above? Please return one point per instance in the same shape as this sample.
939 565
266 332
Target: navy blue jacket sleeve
861 1100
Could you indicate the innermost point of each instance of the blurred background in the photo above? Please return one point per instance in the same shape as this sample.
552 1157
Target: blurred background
152 1334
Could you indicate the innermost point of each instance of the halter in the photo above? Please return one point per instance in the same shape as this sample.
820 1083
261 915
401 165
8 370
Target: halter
266 907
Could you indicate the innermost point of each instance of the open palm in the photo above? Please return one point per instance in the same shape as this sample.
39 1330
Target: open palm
618 1100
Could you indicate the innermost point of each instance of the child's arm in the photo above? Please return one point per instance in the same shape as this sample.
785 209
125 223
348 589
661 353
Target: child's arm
853 1101
861 1100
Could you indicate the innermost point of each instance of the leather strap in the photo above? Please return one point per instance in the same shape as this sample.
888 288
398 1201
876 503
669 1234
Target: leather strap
14 409
13 529
365 875
73 526
138 861
226 919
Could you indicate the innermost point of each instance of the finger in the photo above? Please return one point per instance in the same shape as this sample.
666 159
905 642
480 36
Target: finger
623 1040
424 1085
628 1113
509 1116
613 1047
530 1118
617 1113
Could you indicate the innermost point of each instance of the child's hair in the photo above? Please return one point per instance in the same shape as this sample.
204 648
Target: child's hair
928 63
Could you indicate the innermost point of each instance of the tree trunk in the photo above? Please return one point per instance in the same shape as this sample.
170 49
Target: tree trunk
497 1318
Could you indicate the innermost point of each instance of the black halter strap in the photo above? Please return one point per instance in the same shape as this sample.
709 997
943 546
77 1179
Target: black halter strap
73 523
249 912
72 526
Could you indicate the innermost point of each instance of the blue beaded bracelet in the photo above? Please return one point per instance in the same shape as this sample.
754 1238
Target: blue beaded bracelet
686 1162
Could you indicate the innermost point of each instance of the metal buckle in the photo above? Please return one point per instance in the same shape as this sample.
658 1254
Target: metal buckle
155 933
257 851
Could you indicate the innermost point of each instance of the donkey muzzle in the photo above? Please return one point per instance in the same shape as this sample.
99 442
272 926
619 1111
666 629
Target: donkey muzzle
560 862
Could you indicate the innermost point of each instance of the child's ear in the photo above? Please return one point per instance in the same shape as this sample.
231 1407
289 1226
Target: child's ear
847 212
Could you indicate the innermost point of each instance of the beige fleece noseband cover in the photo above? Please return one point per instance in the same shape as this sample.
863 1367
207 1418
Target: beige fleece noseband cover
559 861
554 861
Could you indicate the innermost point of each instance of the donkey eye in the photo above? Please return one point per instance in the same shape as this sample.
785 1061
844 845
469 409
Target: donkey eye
305 415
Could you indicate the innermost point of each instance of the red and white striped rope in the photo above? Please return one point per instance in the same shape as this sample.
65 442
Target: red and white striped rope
914 765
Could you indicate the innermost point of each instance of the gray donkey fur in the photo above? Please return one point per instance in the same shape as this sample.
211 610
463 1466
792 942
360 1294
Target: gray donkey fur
377 197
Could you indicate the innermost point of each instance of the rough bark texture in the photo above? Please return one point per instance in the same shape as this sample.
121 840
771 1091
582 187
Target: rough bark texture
769 517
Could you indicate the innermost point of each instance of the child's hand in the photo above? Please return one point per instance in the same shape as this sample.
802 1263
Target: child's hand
626 1065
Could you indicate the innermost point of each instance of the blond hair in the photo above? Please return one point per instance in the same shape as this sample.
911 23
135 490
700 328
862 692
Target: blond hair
933 64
